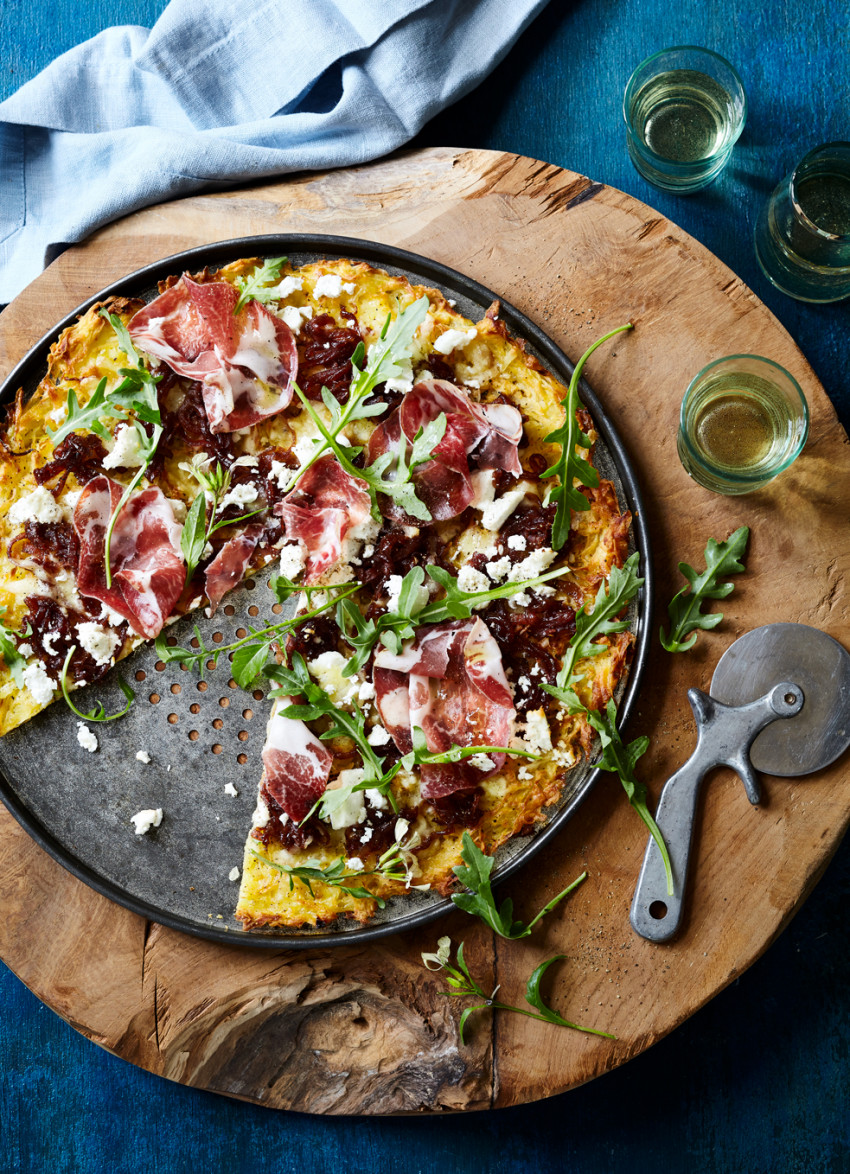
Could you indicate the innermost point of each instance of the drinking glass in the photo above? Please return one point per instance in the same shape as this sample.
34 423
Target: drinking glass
743 420
685 109
803 231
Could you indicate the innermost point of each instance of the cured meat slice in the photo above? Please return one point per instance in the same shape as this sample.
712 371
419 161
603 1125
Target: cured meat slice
229 565
450 682
297 765
147 567
489 431
246 362
325 504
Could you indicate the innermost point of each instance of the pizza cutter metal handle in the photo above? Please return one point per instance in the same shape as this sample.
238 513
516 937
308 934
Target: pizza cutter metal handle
724 736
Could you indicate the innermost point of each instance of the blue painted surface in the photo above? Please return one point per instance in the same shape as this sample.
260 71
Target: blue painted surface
755 1082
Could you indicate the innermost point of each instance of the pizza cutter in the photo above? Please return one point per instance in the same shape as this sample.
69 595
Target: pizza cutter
779 703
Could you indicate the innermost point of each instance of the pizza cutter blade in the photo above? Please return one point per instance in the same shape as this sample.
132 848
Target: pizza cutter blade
779 703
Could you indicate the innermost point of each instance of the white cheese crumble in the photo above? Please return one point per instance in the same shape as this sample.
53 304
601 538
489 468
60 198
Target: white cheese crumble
329 285
375 797
25 649
261 815
499 568
289 285
468 579
494 514
516 542
47 642
533 565
126 452
143 756
481 762
296 316
327 669
233 875
239 495
39 684
354 864
86 737
449 340
143 821
366 691
291 559
98 642
229 789
537 737
378 736
280 474
38 506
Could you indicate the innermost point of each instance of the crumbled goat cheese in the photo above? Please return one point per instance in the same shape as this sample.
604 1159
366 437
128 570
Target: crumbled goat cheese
113 618
289 285
126 452
327 669
239 495
376 798
86 737
280 474
366 835
233 875
499 568
521 599
531 566
229 789
147 819
450 339
537 737
495 513
261 815
378 736
516 542
354 864
468 579
39 684
524 683
38 506
366 691
481 762
25 649
329 285
291 559
47 642
98 642
143 756
296 316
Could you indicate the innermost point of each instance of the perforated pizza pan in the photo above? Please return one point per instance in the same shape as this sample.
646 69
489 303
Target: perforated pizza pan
203 734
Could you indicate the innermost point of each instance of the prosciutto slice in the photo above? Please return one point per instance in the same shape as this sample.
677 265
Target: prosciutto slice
490 433
246 362
229 565
450 682
147 567
297 765
325 504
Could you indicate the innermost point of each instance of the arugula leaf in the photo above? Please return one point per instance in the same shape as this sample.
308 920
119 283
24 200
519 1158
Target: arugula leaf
197 530
91 416
15 663
420 756
386 360
459 605
194 536
391 628
253 287
463 985
259 639
570 467
480 901
612 597
332 874
98 714
721 558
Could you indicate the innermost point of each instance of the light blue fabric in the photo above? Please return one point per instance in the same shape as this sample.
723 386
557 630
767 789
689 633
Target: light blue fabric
228 90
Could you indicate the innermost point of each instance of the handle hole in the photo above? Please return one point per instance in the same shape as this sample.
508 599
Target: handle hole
790 698
658 910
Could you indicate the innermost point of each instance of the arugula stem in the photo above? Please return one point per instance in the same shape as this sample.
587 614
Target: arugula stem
560 1022
563 893
99 714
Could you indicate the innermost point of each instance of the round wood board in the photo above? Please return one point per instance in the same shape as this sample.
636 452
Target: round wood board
368 1030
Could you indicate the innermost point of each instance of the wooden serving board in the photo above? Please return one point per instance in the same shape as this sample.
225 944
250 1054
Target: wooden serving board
367 1030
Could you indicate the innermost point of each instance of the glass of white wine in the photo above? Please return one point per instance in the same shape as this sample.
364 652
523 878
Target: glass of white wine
685 109
743 420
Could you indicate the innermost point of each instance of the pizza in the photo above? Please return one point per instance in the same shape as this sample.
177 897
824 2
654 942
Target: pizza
393 460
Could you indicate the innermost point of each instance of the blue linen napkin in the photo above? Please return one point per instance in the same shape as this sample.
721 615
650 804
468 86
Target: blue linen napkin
218 91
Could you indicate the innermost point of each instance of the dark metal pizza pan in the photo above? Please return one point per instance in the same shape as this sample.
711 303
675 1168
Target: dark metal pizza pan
77 805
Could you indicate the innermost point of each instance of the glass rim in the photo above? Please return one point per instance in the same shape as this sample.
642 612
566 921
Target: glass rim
841 237
730 475
647 150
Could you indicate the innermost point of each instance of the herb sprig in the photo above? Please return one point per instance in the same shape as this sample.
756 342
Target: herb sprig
198 527
98 714
387 358
15 663
721 558
463 985
569 466
475 874
255 287
333 874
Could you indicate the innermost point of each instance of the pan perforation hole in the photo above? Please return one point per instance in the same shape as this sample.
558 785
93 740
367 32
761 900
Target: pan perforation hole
217 749
241 759
154 699
173 719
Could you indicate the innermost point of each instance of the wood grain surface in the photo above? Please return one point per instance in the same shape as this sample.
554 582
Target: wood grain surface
368 1030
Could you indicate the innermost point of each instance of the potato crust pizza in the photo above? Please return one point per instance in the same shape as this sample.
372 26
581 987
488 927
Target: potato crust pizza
399 464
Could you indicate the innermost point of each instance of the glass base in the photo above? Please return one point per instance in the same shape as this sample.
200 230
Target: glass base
679 184
791 278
